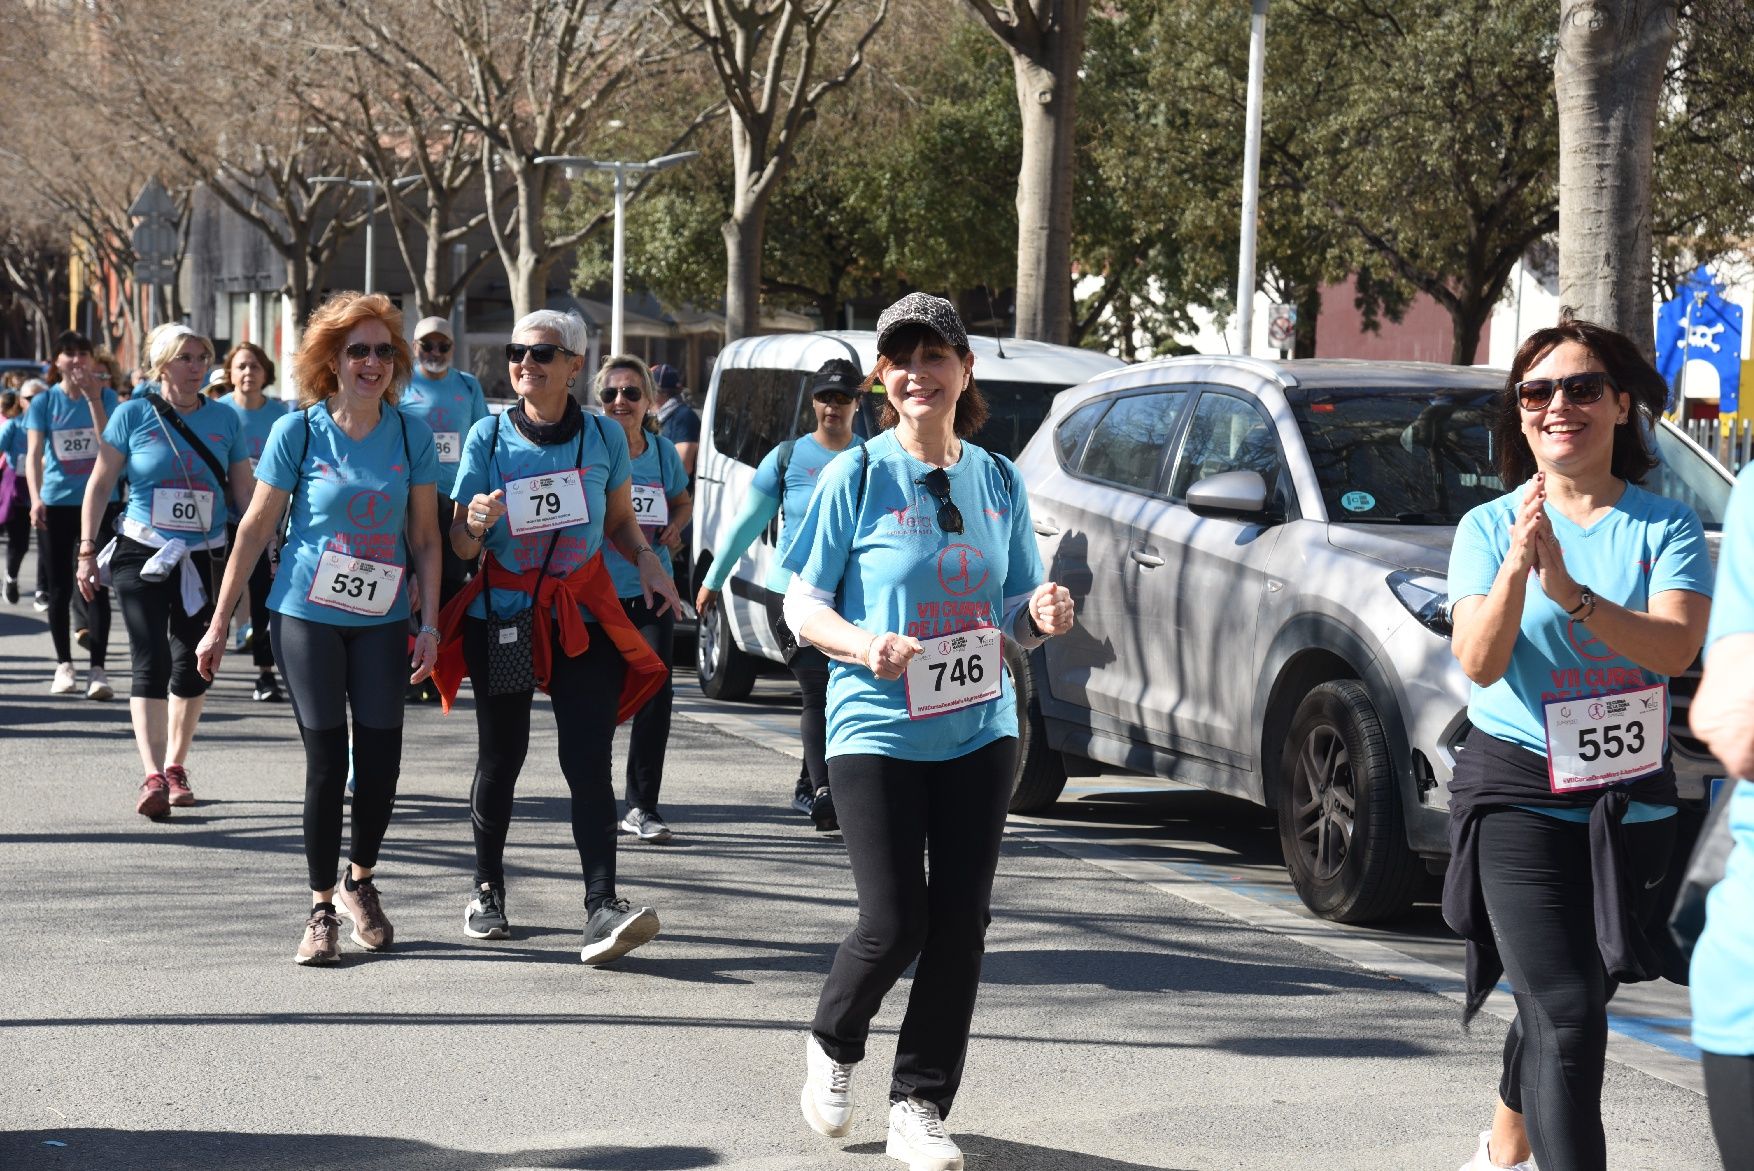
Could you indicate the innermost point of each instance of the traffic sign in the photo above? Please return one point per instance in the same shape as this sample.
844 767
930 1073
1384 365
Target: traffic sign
1281 325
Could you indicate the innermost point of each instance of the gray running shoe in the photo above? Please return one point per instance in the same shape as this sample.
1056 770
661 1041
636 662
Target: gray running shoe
647 827
615 929
322 939
371 930
484 917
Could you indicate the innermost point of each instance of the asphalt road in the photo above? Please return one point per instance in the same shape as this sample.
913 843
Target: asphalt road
1137 1012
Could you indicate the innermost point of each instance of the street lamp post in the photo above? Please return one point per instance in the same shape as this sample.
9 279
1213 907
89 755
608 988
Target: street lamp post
1251 178
370 187
576 166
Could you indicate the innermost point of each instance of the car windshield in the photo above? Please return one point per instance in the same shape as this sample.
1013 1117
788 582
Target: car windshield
1014 411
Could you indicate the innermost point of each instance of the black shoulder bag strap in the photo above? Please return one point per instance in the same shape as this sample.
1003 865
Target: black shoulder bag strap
173 417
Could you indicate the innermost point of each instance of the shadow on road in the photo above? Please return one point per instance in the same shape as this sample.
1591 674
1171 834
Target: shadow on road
182 1150
996 1154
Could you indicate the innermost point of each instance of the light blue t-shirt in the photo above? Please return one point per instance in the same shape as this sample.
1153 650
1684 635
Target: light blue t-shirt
1722 979
158 457
258 422
451 406
349 496
64 421
599 451
658 466
893 569
15 442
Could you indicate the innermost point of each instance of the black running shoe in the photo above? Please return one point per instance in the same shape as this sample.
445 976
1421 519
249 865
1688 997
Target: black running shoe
11 587
484 917
804 796
822 812
267 690
615 929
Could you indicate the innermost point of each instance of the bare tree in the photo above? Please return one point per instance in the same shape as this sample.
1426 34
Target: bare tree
1608 75
1046 40
768 58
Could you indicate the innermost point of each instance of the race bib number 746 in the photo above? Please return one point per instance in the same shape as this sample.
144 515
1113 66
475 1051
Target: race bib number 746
955 671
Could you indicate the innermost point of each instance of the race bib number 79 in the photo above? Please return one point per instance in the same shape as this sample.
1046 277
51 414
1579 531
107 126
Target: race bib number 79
554 500
1597 741
955 671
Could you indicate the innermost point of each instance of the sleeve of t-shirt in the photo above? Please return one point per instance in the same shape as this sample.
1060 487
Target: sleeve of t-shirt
281 452
116 431
620 467
424 450
37 418
1684 561
1732 610
767 474
1024 569
670 469
477 399
824 540
1474 557
472 465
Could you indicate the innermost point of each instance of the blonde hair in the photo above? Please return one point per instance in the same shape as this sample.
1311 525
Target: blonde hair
313 367
648 391
164 343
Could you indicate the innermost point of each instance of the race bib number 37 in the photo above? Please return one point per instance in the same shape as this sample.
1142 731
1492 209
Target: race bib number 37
355 584
1597 741
649 506
955 671
536 504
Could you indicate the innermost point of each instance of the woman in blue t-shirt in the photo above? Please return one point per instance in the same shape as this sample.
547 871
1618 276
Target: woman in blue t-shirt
661 502
354 479
915 560
784 482
188 469
249 371
1575 597
14 447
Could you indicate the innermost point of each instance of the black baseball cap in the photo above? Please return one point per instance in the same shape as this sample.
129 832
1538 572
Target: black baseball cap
71 341
836 374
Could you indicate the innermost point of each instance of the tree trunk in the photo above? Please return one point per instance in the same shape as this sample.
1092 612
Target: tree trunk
743 232
1468 320
1608 74
1046 101
1308 300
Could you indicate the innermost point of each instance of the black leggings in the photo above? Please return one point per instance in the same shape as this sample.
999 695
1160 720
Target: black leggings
1729 1087
584 692
810 669
1535 876
18 538
59 550
327 670
162 636
261 618
650 735
899 818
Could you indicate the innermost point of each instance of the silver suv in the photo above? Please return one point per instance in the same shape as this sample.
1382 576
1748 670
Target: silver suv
1258 551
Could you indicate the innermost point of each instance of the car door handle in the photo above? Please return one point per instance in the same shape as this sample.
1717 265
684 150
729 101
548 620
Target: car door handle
1045 527
1148 560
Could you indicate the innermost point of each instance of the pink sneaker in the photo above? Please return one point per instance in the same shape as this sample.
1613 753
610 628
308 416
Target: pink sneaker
154 797
177 777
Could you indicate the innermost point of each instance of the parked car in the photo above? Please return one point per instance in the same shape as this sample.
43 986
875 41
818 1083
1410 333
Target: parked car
1258 552
756 400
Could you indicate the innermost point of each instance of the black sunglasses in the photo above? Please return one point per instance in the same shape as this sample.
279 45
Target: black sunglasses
839 398
1582 388
359 351
543 352
631 393
937 482
439 347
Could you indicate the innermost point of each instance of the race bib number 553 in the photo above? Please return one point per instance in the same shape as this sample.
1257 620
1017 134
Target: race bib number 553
953 672
1597 741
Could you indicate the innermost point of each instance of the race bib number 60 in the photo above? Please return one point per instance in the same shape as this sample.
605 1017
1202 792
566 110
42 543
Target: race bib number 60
953 672
355 584
1597 741
182 510
536 504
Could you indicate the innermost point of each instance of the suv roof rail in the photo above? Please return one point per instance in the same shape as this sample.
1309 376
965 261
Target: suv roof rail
1278 370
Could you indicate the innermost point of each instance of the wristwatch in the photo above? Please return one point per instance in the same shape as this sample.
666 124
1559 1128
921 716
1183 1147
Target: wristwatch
1584 598
1033 628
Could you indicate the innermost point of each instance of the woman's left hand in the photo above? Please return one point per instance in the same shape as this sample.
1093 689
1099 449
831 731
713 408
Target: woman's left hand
669 536
1556 581
85 576
426 648
1051 607
655 583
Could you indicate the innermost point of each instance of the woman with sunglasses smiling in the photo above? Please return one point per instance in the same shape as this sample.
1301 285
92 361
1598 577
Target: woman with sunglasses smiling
359 480
915 560
784 482
1575 596
543 488
663 505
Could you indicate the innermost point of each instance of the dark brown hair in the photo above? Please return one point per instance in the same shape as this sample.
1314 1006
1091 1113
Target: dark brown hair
261 356
1628 369
971 407
326 336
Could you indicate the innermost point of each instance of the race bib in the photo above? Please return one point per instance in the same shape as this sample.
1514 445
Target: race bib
76 445
650 508
1597 741
536 504
953 672
182 510
449 445
355 584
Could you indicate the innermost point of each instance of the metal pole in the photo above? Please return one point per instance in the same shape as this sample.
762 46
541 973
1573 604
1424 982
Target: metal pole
371 219
459 329
617 307
1251 178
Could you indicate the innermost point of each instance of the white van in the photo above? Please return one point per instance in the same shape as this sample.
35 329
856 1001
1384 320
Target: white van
756 401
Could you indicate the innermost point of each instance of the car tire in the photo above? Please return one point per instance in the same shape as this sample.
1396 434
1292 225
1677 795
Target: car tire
723 671
1041 771
1340 824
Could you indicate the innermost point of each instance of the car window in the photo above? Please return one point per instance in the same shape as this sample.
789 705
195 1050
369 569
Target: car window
1074 428
755 410
1684 476
1126 447
1015 411
1227 435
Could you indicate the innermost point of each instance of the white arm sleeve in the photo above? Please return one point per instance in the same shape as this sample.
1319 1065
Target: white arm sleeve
802 603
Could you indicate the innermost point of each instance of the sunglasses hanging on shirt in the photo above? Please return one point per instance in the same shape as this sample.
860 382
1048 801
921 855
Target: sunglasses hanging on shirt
937 482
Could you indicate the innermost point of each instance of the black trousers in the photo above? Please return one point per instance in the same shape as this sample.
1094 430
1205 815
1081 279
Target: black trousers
1535 875
18 540
1729 1088
261 645
584 691
162 636
901 818
810 668
650 734
58 552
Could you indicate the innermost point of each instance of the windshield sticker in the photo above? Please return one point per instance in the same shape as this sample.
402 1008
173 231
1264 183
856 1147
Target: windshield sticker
1358 502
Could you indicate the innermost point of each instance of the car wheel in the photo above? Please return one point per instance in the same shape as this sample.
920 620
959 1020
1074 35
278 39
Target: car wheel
724 672
1340 823
1041 772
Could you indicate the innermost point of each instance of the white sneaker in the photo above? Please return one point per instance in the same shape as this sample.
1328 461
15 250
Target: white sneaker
98 686
66 682
826 1098
917 1138
1483 1162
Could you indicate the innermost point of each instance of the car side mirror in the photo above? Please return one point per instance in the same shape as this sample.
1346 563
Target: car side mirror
1238 495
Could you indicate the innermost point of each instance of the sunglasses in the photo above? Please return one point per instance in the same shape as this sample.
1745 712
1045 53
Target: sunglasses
359 352
543 352
839 398
439 347
1582 389
610 393
937 482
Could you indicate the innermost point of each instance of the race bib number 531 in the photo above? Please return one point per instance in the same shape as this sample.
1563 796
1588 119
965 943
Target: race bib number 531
953 672
1597 741
355 584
